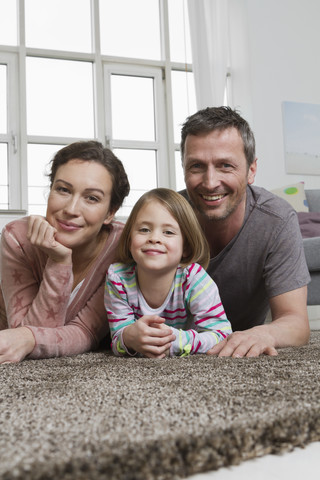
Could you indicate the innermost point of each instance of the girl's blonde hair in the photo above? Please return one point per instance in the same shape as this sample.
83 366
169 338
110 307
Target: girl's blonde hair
194 243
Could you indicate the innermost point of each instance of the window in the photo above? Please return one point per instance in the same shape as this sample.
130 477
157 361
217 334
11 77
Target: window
59 98
10 194
130 28
115 74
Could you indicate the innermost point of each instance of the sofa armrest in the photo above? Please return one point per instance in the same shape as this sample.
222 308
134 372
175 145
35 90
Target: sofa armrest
312 252
313 199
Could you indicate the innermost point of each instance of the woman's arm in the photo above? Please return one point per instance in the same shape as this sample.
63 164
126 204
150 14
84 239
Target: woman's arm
82 333
36 289
37 292
15 344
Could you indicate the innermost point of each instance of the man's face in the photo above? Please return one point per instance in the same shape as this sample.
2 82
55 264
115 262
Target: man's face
216 172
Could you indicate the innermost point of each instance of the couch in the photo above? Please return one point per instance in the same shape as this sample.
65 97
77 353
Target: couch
312 251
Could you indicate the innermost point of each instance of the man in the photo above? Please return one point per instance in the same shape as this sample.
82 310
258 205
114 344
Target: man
257 257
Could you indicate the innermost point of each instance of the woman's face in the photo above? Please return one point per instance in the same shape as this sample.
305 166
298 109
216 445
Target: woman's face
79 202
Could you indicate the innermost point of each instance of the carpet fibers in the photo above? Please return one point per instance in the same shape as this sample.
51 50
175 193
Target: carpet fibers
94 416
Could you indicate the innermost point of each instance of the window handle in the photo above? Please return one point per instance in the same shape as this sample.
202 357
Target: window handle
108 141
14 141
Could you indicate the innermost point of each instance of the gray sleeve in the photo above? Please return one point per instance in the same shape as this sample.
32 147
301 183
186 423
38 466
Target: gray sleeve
285 267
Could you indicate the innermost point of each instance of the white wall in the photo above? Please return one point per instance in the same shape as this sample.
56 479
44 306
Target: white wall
274 52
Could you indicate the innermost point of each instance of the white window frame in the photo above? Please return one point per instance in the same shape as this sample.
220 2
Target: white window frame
17 138
12 137
159 145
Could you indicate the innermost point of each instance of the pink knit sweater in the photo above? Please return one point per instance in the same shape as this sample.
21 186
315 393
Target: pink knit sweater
37 290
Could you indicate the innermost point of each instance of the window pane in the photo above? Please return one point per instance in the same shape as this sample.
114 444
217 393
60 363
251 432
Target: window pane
3 99
39 157
58 24
130 29
141 168
37 196
180 185
132 108
8 22
59 98
180 43
183 100
37 209
4 198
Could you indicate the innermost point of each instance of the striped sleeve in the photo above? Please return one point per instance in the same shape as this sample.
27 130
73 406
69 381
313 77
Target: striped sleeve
118 282
210 324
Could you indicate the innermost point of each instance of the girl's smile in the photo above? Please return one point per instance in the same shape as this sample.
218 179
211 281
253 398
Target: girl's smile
156 239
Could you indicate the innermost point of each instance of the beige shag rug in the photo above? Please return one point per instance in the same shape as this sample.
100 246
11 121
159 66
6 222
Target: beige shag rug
94 416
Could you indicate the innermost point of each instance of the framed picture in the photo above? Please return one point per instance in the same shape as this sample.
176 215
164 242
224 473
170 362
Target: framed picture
301 126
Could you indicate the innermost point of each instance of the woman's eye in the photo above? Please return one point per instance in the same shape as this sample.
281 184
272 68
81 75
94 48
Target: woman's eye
62 189
93 199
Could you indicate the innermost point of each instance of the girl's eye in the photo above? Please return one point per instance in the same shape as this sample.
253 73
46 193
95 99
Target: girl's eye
144 230
168 232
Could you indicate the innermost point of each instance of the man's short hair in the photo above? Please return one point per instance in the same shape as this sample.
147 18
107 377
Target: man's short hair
219 118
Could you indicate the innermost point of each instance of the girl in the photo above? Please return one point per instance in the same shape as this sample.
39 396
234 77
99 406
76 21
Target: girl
53 268
160 301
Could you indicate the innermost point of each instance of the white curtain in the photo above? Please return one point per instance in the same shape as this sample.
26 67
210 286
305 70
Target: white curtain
210 49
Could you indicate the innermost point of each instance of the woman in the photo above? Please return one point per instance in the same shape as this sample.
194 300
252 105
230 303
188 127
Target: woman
53 269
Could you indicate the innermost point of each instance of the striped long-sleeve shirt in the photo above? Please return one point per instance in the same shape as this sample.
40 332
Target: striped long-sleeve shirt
192 309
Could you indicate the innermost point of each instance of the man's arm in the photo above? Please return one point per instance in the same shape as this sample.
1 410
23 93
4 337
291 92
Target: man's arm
289 327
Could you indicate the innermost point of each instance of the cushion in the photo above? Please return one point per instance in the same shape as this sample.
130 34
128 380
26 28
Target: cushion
295 195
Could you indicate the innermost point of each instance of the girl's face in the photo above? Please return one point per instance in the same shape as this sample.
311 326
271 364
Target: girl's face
79 202
156 239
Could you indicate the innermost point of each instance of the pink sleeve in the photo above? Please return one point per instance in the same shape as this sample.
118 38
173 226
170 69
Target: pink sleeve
37 292
33 297
81 334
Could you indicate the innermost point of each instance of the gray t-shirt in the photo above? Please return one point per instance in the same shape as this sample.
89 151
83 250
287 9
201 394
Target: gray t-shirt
265 259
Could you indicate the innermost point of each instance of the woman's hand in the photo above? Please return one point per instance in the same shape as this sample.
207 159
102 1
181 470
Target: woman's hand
42 235
15 344
149 336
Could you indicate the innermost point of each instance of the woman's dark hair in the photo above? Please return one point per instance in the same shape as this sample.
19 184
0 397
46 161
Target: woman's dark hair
219 118
93 151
